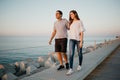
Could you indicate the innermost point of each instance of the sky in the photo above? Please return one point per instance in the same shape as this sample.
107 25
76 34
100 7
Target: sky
37 17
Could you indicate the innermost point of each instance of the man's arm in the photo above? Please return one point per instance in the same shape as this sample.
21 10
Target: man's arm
52 36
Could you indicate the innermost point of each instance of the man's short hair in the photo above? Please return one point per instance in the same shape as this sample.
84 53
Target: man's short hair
60 12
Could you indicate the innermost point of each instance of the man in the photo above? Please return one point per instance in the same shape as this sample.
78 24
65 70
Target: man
60 34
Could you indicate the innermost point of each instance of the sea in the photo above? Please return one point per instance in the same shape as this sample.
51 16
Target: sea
19 48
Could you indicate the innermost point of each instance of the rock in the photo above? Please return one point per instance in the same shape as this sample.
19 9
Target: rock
4 77
1 66
36 64
41 61
90 48
9 68
30 69
99 45
53 59
2 72
53 55
22 66
49 63
17 64
10 76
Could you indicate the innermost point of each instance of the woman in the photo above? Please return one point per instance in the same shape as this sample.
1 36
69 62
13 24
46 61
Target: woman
76 39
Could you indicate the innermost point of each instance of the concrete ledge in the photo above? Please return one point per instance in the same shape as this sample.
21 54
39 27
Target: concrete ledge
90 62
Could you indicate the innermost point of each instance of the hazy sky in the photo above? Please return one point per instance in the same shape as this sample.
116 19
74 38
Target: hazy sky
36 17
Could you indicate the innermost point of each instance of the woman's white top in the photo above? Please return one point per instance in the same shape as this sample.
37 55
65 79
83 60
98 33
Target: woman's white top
75 28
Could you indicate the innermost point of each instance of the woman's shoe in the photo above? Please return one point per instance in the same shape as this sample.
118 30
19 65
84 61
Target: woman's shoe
79 68
70 71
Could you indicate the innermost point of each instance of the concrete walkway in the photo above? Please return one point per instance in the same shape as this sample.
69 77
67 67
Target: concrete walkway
90 62
108 69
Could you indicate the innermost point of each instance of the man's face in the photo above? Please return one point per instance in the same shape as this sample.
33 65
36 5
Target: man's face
58 15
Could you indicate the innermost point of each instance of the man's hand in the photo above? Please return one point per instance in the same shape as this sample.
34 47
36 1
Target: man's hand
52 36
50 42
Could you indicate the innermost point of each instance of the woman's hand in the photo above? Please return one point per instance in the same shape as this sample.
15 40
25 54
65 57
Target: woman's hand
81 45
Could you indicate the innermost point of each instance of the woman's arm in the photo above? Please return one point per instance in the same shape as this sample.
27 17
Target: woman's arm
68 26
81 39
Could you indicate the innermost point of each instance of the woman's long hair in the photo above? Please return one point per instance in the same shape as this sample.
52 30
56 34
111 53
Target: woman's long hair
76 16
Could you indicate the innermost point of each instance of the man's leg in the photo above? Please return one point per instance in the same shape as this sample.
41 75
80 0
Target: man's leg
66 60
60 58
64 50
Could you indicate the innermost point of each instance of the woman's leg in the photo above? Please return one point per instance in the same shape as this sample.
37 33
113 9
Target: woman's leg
79 53
71 52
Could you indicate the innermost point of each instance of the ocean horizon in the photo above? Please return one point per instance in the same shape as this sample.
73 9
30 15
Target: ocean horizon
18 48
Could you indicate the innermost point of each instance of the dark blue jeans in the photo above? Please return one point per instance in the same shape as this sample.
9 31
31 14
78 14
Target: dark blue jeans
72 44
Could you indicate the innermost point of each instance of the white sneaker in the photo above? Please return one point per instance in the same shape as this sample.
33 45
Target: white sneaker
79 68
70 71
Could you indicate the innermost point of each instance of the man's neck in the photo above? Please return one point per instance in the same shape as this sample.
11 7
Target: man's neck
59 19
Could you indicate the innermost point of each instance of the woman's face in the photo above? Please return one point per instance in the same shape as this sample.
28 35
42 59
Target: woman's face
72 15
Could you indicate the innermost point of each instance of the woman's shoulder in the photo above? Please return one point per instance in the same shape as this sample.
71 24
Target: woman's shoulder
80 22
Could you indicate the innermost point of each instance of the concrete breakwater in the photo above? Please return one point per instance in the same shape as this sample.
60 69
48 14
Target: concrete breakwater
90 62
38 70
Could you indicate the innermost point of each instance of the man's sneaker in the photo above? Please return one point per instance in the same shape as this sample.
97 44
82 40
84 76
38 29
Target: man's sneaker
70 71
79 68
67 65
60 67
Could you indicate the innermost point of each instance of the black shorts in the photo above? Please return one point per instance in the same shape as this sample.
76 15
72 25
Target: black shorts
61 45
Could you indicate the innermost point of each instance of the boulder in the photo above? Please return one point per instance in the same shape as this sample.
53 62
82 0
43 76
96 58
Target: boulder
22 66
41 61
50 63
90 48
1 66
9 76
17 64
36 64
9 68
4 77
30 69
